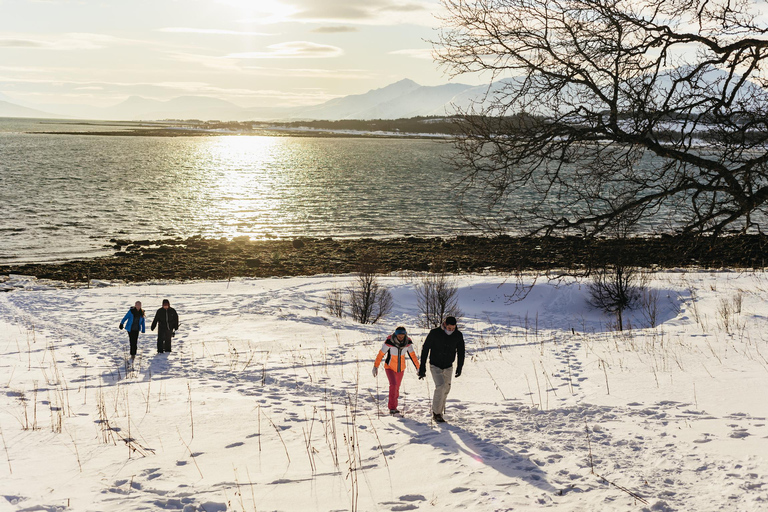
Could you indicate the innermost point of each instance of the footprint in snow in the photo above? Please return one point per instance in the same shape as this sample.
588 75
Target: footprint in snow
739 433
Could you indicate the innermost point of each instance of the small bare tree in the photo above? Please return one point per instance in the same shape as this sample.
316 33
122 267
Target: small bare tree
368 300
334 302
614 289
437 296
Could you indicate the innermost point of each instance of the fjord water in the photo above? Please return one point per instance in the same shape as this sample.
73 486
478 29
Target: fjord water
65 196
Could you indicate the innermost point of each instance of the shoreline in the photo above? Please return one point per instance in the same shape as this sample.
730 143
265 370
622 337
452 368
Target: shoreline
201 258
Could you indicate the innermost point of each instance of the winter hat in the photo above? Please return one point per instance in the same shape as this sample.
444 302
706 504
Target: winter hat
400 330
450 320
166 301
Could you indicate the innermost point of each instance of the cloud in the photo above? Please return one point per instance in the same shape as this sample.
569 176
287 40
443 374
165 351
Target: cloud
416 53
403 8
218 63
21 43
343 74
292 50
64 42
370 12
334 30
211 31
20 69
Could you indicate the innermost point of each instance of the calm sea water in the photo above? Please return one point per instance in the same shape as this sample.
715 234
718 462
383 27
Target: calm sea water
65 196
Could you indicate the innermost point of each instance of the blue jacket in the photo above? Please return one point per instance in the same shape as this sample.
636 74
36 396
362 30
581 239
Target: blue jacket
128 320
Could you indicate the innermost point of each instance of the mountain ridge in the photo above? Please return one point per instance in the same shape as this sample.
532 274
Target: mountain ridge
404 98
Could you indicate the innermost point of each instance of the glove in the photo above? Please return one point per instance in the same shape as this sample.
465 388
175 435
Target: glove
375 371
121 327
422 374
173 333
458 372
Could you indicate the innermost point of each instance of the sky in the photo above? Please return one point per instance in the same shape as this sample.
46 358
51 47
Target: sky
252 53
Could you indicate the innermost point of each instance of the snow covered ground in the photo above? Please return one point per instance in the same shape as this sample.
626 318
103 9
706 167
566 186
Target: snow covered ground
268 403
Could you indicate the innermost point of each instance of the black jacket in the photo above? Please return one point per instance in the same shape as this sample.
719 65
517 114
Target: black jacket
168 319
443 349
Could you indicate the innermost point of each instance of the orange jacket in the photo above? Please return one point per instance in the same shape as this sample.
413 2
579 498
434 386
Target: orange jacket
394 355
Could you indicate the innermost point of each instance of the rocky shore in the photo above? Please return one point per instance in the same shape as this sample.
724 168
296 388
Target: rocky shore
200 258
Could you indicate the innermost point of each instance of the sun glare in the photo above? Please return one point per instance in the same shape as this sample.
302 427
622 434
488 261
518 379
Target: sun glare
264 12
243 173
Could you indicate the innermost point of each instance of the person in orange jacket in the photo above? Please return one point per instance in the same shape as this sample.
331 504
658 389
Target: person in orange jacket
394 351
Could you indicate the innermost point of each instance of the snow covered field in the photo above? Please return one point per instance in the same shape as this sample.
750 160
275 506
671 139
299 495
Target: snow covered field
268 403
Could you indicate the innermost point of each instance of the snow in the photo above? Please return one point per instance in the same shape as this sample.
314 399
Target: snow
268 403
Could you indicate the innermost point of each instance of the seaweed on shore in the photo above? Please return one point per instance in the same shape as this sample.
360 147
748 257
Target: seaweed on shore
201 258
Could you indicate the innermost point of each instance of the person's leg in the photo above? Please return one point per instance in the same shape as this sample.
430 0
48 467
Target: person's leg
442 379
395 378
133 338
168 340
160 340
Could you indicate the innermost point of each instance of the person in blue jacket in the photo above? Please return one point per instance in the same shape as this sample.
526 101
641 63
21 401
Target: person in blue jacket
133 321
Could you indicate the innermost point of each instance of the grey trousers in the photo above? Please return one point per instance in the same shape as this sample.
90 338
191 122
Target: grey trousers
442 378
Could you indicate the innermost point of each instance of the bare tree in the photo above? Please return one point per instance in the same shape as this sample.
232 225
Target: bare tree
614 289
368 300
437 296
599 109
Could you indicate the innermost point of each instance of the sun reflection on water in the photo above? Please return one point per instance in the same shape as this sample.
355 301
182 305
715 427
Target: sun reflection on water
246 181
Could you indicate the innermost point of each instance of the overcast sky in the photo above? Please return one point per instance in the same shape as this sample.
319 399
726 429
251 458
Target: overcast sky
250 52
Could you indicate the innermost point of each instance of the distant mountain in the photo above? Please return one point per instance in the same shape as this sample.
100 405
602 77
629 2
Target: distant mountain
401 99
8 109
184 107
405 98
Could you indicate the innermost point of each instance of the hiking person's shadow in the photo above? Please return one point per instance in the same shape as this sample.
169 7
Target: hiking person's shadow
455 440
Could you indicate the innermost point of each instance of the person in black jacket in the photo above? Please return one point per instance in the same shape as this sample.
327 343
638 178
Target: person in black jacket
168 319
444 345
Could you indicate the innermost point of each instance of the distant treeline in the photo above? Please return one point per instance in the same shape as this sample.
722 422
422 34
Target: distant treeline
432 125
453 125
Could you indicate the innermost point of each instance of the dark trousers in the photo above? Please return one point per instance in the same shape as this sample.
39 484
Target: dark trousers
133 337
164 339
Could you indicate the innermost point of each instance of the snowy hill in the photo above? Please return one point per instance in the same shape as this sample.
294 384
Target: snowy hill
267 402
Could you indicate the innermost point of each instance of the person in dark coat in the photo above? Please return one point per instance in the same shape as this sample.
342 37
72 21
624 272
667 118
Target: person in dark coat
443 346
168 321
134 323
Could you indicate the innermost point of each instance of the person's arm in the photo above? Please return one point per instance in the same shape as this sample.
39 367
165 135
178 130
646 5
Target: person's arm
125 318
142 323
380 356
459 354
154 321
424 354
412 355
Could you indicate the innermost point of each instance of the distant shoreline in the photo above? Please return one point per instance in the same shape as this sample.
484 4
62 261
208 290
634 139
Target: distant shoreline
200 258
151 132
413 128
